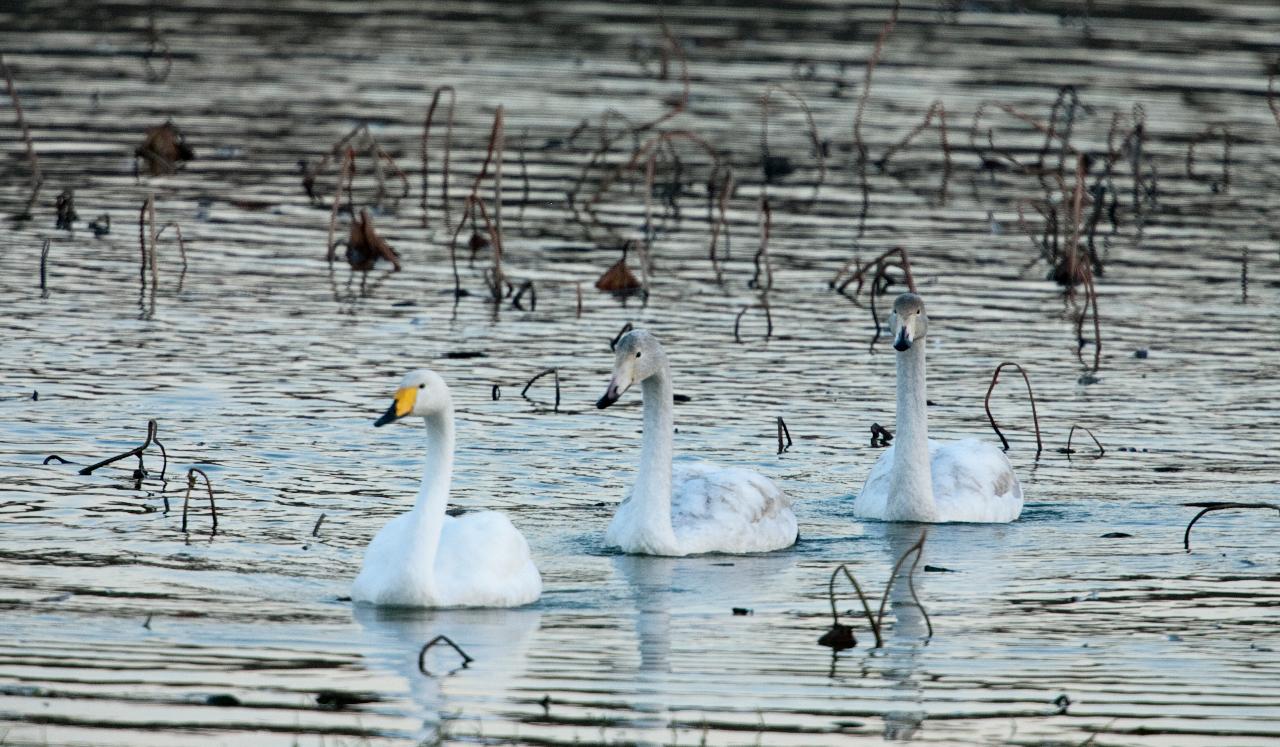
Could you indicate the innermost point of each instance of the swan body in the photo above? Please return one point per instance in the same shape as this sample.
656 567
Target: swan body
918 479
687 508
426 558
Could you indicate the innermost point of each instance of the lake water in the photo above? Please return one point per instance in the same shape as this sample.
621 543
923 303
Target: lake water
266 368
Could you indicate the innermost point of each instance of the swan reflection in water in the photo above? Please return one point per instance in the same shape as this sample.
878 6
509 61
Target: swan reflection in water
497 640
686 590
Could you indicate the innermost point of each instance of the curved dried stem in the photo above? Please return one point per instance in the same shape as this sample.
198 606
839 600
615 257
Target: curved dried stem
1072 432
815 139
152 428
426 153
986 403
917 549
555 373
859 145
866 606
191 483
940 111
1209 506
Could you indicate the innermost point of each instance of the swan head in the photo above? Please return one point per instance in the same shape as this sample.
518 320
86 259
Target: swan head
908 322
420 393
638 355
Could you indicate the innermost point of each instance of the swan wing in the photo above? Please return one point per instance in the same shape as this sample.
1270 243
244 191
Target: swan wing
973 481
728 509
484 561
873 500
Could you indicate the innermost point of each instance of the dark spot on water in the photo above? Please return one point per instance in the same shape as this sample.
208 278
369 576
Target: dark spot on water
1116 535
223 701
938 569
739 611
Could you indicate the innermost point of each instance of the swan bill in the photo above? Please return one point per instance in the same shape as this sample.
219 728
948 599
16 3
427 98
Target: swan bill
903 340
609 398
401 406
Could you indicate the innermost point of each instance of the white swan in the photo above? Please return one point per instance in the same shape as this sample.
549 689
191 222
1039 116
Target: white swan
921 480
688 508
426 558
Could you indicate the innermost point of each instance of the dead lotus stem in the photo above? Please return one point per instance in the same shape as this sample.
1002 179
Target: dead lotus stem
625 329
1271 92
1208 506
422 655
426 161
315 531
152 429
1072 432
841 636
762 254
555 373
142 241
859 145
859 274
815 139
1035 417
719 223
768 317
213 508
347 173
783 431
182 246
1223 185
44 259
151 248
37 176
935 109
679 106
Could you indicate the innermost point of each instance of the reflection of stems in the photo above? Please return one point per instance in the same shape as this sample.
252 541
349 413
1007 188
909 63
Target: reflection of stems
877 621
783 430
1217 506
426 164
422 655
37 177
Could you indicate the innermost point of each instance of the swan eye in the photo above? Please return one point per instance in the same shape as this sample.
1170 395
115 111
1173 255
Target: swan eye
637 353
422 386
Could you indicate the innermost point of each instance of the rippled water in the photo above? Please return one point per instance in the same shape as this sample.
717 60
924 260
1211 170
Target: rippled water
266 370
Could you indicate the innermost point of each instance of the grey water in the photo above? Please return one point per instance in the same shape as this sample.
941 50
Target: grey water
1083 622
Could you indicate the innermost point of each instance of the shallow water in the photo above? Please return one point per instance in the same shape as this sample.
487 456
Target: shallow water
266 370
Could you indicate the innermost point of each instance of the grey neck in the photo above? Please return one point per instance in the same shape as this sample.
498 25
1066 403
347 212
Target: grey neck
910 482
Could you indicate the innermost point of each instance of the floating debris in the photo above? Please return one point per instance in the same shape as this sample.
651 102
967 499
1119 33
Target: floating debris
164 149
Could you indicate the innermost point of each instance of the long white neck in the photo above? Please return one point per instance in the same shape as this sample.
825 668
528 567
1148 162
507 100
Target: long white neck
652 492
433 495
910 483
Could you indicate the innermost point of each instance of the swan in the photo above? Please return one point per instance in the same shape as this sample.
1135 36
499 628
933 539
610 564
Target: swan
917 479
688 508
425 558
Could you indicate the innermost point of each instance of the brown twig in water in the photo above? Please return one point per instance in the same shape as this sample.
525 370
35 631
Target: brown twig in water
1072 432
1208 506
936 108
426 163
678 106
1244 275
859 274
555 372
422 655
986 403
37 177
719 223
858 143
783 431
152 428
213 508
315 531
